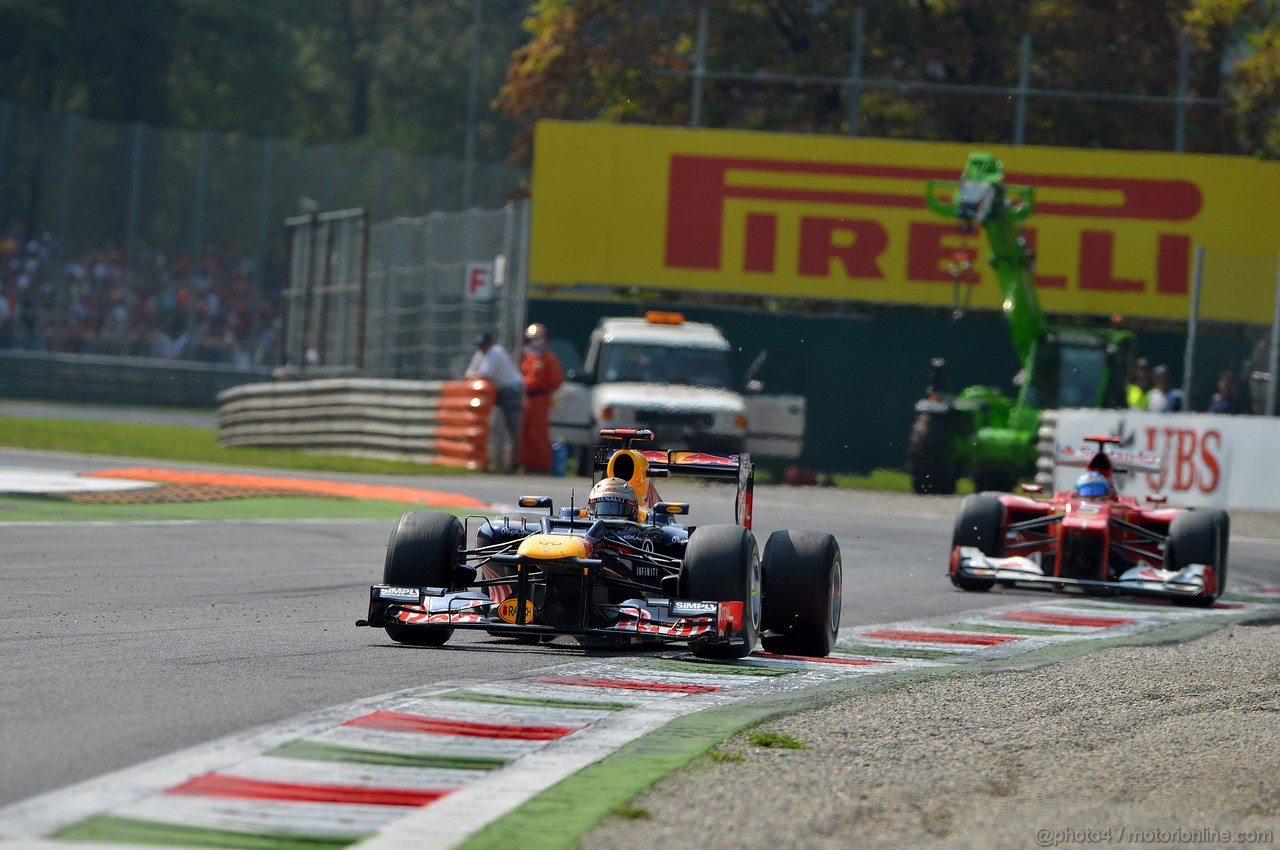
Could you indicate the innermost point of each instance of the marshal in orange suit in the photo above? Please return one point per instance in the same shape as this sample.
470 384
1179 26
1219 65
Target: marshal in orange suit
542 377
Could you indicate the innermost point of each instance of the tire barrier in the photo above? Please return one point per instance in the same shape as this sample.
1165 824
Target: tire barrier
436 422
1046 448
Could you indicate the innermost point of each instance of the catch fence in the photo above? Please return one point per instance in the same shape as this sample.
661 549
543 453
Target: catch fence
412 309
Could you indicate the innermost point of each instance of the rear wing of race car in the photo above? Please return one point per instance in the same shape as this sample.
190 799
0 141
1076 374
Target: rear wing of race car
663 464
1119 460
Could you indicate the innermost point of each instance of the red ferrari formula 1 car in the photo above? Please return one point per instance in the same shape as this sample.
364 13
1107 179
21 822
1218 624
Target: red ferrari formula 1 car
1091 537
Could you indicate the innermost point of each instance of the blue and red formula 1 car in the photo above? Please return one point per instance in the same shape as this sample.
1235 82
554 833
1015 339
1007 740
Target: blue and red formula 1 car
621 571
1091 538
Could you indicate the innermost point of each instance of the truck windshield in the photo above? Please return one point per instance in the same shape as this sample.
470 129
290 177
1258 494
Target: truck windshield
629 361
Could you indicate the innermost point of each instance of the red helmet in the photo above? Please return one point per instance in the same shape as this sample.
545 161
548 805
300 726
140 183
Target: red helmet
537 332
613 497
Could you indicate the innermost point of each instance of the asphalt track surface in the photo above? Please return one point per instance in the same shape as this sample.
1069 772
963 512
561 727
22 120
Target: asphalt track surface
128 642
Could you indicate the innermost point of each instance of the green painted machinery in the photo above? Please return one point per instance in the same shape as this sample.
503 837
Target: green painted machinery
980 432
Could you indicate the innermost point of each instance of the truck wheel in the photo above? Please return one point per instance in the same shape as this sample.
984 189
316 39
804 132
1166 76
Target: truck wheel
423 552
1200 537
929 461
980 524
802 593
722 563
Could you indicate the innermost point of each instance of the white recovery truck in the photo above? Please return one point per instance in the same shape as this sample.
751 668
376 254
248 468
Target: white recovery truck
672 376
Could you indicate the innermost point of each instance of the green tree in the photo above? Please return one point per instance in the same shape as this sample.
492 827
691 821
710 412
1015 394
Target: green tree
1247 34
595 60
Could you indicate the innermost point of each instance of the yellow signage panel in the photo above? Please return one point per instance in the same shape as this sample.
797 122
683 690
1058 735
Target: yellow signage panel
835 218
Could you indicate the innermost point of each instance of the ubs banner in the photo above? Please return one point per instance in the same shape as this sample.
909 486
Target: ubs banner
1206 460
836 218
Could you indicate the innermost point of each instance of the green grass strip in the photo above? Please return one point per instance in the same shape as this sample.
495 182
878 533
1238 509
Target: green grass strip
507 699
894 652
266 508
316 751
1004 630
116 830
1264 598
180 442
677 665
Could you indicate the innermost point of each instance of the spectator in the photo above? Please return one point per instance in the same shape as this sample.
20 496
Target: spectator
1225 400
1140 386
1165 397
542 377
492 363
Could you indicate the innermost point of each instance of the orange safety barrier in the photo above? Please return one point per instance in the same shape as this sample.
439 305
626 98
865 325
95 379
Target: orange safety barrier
462 437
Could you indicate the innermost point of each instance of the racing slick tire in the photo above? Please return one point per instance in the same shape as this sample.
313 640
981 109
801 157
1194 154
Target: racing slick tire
929 461
1199 537
423 552
802 577
722 563
980 524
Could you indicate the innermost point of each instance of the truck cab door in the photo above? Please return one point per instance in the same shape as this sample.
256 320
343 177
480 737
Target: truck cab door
775 425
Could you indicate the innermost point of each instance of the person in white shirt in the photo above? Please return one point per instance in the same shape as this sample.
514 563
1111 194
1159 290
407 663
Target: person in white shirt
492 363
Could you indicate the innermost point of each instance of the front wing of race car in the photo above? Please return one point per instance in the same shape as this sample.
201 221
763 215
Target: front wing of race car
660 619
1194 581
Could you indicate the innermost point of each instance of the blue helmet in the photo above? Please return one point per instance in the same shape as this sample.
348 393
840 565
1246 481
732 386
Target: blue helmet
1093 485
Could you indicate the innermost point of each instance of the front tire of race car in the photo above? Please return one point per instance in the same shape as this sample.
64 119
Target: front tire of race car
1200 537
423 552
980 524
722 563
802 593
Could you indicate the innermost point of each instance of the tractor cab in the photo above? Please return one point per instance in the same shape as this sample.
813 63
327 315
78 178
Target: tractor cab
1078 368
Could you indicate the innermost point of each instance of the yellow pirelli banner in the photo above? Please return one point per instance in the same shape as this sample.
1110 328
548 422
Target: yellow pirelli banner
845 219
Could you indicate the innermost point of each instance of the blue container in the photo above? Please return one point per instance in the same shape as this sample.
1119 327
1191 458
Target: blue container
559 459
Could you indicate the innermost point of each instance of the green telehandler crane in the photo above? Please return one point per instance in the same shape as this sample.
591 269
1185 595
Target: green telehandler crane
980 431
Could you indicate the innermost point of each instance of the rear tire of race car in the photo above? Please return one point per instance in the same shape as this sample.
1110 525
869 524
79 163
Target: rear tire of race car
423 552
1199 537
929 461
802 578
980 524
722 563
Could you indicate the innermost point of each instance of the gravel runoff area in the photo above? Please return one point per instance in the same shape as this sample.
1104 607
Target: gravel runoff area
1170 745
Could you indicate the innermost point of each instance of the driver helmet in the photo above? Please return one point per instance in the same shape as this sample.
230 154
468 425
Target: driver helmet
613 497
1093 485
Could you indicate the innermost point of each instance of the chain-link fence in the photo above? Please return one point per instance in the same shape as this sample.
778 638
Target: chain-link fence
1242 354
128 239
432 283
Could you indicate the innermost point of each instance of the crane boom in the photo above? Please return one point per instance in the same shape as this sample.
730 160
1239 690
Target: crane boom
981 198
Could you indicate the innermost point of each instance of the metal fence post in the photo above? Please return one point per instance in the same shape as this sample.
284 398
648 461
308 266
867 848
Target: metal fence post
1273 364
64 232
202 188
473 88
855 70
135 184
1184 76
326 190
6 111
260 250
700 64
1024 78
1193 321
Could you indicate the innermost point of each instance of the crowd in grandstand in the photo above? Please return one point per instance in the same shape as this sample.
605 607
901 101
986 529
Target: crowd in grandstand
213 309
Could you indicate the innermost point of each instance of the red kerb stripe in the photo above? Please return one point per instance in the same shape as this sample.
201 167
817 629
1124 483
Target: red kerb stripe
663 687
240 787
399 721
1050 619
939 637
